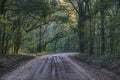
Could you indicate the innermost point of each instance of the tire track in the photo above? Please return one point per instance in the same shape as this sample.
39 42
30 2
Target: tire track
52 67
34 74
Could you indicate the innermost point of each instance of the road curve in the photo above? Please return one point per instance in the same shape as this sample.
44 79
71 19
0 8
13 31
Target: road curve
50 67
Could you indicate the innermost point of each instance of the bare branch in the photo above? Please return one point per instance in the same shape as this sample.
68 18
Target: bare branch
74 6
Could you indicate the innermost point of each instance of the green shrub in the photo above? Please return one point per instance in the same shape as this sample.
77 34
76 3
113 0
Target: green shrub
82 56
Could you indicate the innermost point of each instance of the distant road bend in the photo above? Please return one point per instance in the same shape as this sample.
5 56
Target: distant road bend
50 67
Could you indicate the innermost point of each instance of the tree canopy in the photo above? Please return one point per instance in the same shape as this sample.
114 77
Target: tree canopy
87 26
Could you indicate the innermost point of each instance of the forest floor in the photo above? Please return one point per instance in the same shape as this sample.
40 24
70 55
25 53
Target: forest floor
11 62
109 62
58 67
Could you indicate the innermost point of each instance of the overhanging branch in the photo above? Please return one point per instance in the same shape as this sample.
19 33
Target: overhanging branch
74 6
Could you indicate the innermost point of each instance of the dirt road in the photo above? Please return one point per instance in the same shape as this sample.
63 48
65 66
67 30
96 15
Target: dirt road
50 67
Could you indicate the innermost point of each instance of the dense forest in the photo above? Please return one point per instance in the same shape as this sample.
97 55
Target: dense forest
90 27
28 27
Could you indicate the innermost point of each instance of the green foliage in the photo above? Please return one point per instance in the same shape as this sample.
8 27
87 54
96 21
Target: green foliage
82 56
99 27
19 19
53 26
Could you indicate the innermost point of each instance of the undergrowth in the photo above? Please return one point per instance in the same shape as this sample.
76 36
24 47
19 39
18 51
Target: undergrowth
10 62
108 61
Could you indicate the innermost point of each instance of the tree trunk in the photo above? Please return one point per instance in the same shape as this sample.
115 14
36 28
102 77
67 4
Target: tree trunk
55 45
18 37
0 40
18 40
2 6
3 40
39 48
91 40
81 28
102 17
112 41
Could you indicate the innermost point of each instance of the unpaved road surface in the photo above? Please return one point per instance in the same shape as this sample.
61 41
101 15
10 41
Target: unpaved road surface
50 67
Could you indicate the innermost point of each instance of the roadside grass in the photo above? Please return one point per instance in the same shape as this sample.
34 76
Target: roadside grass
110 62
11 62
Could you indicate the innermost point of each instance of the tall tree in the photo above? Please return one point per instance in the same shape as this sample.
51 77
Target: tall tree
82 17
2 6
102 19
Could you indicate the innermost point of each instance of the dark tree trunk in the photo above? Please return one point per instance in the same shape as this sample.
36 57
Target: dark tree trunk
39 48
18 37
0 40
81 41
81 28
112 42
18 40
102 18
6 47
55 45
2 6
3 35
91 42
82 17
